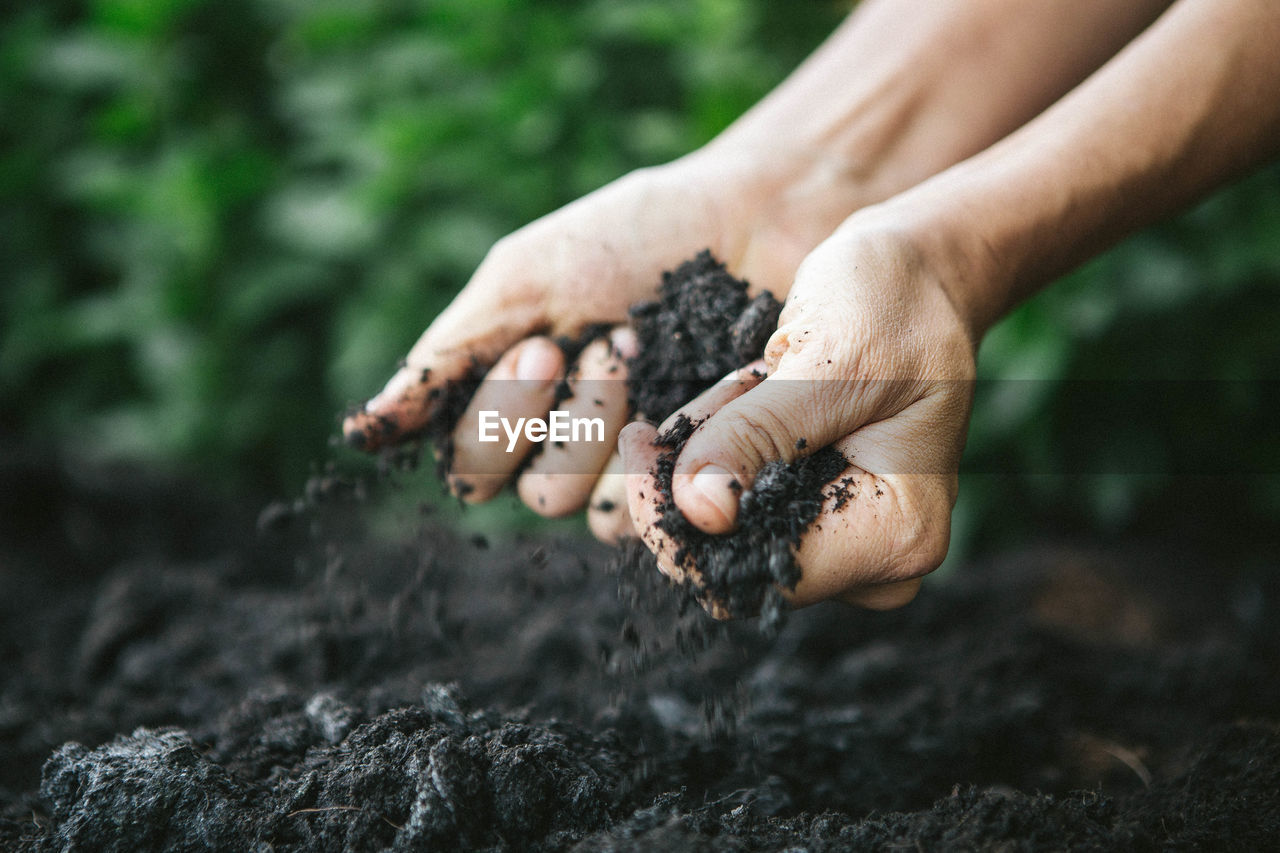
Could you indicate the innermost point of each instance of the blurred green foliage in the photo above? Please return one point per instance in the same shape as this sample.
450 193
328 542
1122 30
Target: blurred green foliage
225 221
222 222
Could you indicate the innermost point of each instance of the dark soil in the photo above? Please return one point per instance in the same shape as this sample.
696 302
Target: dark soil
743 571
702 327
172 680
177 677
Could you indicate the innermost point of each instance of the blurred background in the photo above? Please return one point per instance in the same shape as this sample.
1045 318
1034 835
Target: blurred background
221 223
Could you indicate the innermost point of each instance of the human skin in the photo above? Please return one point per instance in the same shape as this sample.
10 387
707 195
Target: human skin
901 290
905 290
899 92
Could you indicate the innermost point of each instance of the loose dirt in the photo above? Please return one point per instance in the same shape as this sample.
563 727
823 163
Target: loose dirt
176 676
186 684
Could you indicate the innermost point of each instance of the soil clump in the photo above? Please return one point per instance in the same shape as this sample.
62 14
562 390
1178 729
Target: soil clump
702 326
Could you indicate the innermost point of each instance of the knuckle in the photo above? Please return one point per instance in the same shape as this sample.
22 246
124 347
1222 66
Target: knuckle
758 434
923 538
791 339
776 347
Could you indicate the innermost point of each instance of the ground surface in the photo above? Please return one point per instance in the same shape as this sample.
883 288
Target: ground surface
173 679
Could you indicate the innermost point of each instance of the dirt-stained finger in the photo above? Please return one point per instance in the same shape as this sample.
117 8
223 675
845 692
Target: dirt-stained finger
404 406
608 515
639 460
492 314
561 477
494 435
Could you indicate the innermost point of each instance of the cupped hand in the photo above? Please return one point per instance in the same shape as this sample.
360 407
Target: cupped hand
870 356
583 265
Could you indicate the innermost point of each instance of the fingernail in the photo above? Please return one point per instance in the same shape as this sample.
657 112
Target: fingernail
539 361
713 483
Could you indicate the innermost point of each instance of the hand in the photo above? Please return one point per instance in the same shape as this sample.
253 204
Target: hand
582 265
870 355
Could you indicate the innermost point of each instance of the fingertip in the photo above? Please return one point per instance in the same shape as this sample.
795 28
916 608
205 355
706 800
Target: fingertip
633 441
607 513
610 522
716 609
540 360
466 490
353 432
368 431
553 495
404 405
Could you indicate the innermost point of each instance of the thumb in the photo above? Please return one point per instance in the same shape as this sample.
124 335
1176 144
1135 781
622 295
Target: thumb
482 322
781 419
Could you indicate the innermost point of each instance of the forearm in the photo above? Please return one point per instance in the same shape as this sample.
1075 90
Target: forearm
1191 103
906 88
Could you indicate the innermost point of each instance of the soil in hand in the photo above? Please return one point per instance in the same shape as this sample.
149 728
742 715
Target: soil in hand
743 571
702 327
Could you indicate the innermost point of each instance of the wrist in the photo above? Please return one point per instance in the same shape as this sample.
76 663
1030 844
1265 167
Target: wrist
775 203
950 249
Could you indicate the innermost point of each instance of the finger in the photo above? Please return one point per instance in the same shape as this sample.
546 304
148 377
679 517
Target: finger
607 512
489 316
639 462
717 396
560 479
520 386
886 596
640 458
788 414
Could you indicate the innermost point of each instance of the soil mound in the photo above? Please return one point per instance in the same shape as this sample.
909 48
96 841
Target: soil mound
316 689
